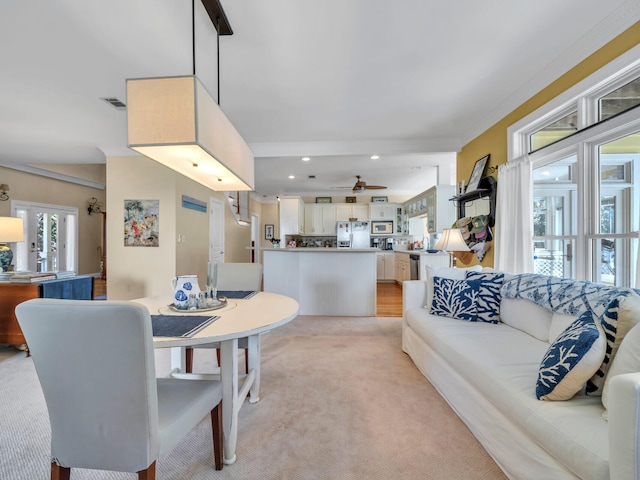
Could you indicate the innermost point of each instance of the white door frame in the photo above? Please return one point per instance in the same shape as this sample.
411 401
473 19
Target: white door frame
216 230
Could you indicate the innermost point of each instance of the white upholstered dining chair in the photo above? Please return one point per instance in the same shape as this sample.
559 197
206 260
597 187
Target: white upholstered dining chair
232 277
108 411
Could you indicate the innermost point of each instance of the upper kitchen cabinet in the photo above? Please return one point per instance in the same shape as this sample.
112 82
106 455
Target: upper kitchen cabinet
382 211
346 211
435 205
319 219
291 216
440 212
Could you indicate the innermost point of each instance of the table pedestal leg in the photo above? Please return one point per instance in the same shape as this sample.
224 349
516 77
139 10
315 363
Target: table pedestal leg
178 360
230 407
253 344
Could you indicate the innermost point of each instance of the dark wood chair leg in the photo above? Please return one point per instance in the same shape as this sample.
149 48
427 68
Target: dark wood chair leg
188 353
60 473
246 361
216 429
149 473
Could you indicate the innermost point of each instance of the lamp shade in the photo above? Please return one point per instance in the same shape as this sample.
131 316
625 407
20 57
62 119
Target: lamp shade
174 121
452 241
11 229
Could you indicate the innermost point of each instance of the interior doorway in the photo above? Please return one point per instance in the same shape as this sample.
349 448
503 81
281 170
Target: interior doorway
216 231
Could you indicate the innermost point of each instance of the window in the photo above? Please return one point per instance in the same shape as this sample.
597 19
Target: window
584 148
554 217
553 132
51 238
620 100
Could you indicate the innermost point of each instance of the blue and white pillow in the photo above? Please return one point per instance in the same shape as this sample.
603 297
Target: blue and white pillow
488 300
572 359
454 298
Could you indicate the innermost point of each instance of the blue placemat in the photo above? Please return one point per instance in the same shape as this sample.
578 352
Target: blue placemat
179 325
240 294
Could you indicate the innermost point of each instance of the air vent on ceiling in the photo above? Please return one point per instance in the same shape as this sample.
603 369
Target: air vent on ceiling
114 102
312 176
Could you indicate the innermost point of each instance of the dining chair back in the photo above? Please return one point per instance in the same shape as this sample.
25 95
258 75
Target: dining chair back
95 363
232 277
239 276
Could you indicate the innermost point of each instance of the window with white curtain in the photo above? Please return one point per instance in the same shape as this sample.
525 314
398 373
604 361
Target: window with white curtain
584 149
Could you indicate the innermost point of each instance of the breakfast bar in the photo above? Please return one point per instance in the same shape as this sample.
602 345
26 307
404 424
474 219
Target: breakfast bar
324 281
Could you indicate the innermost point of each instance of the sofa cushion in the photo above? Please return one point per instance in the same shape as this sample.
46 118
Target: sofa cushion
526 316
571 359
500 363
559 323
620 316
455 298
488 299
627 360
445 272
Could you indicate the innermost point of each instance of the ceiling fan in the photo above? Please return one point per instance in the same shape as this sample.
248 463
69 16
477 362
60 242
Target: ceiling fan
361 186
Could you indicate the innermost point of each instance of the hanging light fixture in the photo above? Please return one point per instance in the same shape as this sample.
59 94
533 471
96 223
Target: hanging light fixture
176 122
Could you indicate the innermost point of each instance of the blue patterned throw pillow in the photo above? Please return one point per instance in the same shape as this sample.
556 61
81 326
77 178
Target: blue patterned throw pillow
488 301
571 359
454 298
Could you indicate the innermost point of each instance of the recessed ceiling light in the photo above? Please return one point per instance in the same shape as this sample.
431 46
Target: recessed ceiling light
292 176
374 157
305 159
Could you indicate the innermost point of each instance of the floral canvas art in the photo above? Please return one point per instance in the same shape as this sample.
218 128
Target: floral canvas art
141 223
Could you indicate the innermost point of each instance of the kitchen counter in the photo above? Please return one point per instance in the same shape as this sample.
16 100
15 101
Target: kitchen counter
420 252
322 249
324 281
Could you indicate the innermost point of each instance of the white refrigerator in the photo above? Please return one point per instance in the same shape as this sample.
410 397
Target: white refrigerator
353 235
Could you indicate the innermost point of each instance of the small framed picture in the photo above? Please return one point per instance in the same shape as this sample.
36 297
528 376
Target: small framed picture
476 174
268 231
379 199
323 199
351 200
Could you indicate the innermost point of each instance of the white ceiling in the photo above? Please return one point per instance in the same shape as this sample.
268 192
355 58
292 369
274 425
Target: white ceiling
335 80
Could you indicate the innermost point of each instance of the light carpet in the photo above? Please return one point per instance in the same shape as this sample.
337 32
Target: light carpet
339 400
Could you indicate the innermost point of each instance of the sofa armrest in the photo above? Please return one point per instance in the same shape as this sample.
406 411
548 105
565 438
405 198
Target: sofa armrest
414 294
624 426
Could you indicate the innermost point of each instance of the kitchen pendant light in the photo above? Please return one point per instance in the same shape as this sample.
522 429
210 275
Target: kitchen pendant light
176 122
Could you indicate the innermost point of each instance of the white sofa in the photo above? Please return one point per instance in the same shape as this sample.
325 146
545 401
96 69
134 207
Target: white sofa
487 373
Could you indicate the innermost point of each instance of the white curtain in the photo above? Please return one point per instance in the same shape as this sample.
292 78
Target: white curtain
514 219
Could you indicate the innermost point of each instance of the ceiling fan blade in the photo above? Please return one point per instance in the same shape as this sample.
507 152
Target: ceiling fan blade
374 187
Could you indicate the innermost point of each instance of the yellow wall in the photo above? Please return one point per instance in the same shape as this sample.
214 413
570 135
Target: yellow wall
494 140
135 272
36 188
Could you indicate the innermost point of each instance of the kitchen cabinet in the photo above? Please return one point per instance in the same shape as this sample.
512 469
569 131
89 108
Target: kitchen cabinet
291 216
319 219
435 205
437 260
382 211
402 268
385 264
441 212
347 211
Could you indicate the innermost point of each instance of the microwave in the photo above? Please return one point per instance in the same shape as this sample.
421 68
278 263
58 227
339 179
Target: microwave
382 227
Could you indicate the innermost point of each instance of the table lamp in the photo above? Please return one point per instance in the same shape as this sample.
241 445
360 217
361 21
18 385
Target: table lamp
452 241
11 230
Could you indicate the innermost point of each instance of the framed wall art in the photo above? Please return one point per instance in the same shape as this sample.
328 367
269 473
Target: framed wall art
268 231
476 174
141 223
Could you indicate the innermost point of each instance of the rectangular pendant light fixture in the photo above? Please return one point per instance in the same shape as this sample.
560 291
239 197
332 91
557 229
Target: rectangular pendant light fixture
174 121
